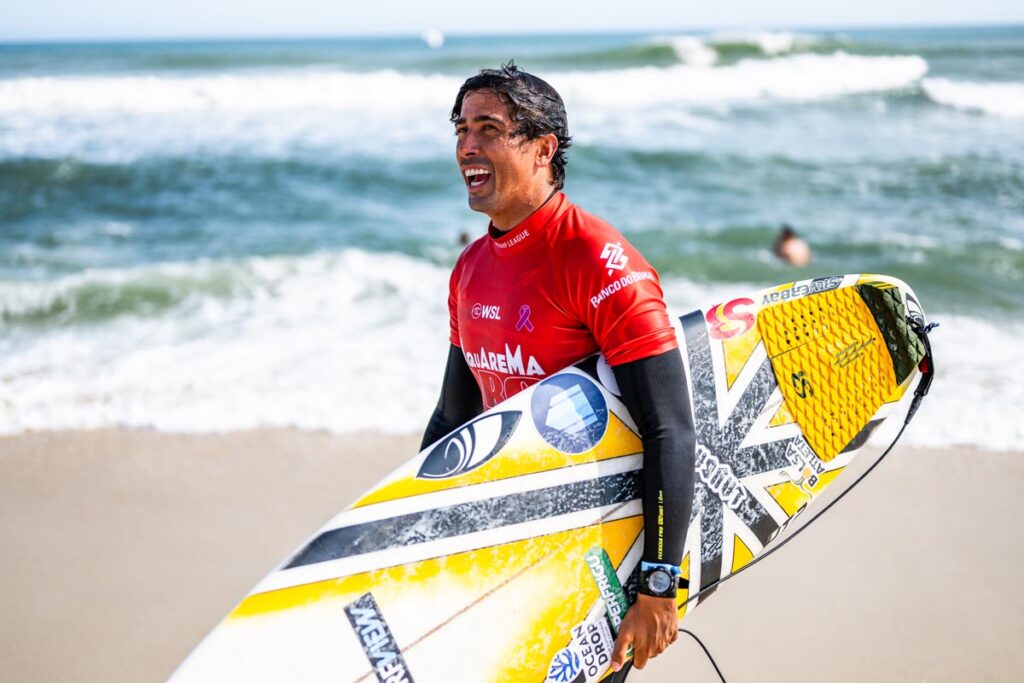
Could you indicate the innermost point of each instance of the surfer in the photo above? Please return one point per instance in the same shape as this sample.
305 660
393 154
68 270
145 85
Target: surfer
547 286
790 248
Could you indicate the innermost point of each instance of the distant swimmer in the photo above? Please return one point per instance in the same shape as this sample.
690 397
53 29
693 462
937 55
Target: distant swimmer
791 249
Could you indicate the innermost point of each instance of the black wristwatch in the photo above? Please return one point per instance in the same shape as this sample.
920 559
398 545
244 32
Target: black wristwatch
658 580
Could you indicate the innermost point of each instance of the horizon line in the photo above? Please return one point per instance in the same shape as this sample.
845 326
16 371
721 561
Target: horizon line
374 35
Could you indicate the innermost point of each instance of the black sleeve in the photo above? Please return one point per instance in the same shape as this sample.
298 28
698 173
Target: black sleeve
654 391
460 398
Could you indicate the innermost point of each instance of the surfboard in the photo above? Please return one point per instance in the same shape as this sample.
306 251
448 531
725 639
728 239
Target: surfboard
507 550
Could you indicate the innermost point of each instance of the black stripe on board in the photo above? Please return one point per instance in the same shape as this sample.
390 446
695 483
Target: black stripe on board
467 518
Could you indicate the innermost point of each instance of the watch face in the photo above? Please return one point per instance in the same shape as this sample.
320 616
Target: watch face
659 581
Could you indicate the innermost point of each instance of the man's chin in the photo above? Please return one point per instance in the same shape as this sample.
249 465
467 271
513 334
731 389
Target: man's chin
478 203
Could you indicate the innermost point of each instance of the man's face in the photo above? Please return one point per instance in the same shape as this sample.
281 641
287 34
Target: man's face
501 171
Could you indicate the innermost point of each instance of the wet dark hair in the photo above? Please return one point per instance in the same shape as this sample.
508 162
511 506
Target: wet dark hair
534 106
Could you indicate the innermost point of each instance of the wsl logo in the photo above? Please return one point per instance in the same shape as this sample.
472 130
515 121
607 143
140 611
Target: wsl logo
616 259
469 447
480 311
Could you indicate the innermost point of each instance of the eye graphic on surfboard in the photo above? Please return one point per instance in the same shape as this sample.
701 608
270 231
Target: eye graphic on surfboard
470 447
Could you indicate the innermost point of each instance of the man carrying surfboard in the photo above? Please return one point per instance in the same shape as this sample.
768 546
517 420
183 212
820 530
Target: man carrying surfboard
547 286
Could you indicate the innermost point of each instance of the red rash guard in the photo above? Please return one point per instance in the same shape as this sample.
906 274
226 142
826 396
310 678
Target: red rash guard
558 287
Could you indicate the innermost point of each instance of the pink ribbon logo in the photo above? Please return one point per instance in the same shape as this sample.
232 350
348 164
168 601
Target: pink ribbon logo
524 319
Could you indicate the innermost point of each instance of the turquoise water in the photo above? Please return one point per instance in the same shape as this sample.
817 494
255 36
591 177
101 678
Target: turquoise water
164 205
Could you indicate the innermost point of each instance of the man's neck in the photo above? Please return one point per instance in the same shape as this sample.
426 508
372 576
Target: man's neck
507 220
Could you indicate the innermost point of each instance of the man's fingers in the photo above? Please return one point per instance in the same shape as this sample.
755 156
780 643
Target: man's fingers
640 656
622 644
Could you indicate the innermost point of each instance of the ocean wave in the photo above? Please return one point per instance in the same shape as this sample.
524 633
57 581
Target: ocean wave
174 192
799 77
970 401
998 99
806 77
100 295
659 53
729 47
345 341
769 43
689 50
349 341
230 92
121 119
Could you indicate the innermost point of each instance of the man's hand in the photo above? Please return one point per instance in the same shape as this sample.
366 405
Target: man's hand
650 626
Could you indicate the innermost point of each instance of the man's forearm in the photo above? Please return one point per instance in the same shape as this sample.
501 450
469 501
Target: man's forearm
654 390
459 401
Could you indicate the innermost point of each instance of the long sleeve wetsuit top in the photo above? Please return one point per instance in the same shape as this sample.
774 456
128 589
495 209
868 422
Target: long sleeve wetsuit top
555 289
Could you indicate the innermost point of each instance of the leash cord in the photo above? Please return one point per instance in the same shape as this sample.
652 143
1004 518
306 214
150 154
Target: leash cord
711 659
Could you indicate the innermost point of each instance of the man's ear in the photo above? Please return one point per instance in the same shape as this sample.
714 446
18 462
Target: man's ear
547 146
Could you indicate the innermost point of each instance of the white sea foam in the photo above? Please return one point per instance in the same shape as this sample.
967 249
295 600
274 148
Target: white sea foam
998 99
770 43
434 38
118 119
690 50
697 51
800 77
256 92
796 78
978 389
343 341
354 341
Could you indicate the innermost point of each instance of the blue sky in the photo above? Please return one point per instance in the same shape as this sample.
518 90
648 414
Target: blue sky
127 19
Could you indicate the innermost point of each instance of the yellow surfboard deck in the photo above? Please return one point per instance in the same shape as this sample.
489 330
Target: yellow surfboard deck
506 551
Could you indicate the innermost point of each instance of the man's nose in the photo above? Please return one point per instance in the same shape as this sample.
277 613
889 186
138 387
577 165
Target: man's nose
467 146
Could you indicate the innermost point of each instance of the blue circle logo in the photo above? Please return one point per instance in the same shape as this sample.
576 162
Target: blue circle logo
569 412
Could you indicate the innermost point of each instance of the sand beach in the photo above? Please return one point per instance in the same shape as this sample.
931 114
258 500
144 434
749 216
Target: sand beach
121 549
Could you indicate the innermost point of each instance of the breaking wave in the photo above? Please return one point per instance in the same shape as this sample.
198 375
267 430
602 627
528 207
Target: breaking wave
344 341
998 99
802 77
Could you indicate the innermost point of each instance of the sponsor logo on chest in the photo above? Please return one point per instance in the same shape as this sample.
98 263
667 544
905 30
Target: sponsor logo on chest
510 362
485 312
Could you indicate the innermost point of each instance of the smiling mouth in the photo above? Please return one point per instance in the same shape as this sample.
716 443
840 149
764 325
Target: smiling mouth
476 177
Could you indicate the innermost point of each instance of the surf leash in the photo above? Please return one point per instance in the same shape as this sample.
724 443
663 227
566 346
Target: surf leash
704 647
927 368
